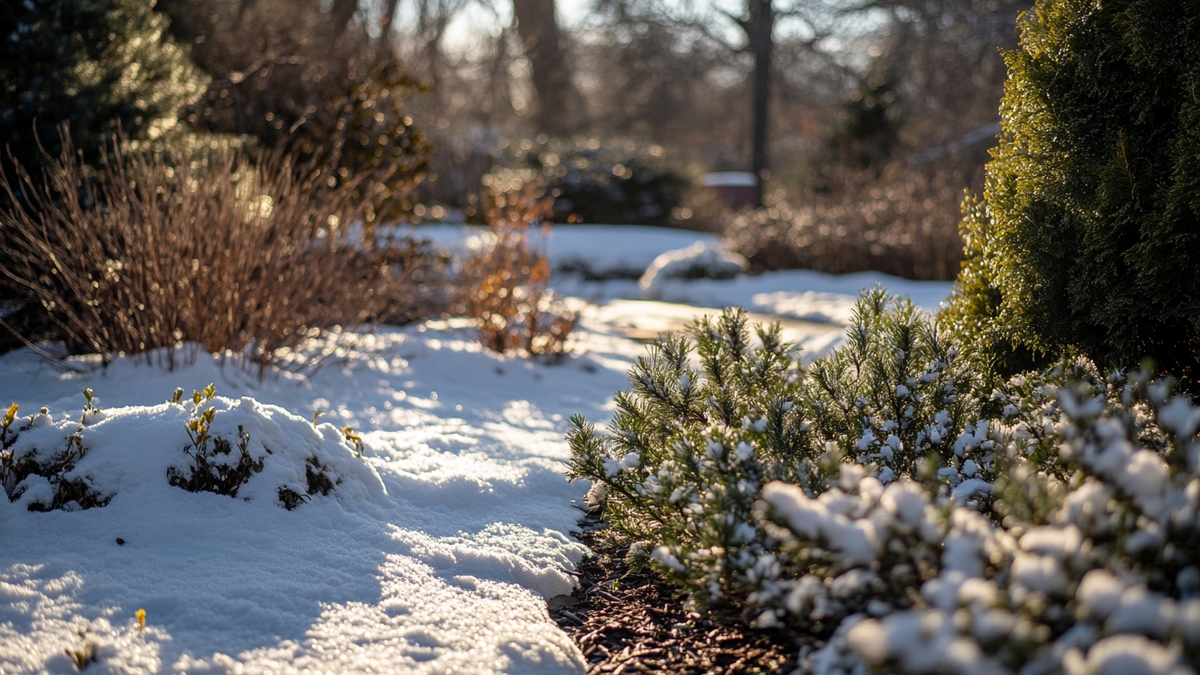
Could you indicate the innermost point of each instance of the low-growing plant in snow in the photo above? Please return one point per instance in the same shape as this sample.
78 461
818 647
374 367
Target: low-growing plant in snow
205 443
223 467
38 467
213 468
895 500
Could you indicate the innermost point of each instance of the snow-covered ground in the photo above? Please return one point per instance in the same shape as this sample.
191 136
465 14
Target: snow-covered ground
435 553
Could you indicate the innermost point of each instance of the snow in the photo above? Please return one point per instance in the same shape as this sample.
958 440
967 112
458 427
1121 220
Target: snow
1039 573
605 262
589 250
1122 654
440 546
438 556
730 179
1180 416
854 540
701 260
1141 611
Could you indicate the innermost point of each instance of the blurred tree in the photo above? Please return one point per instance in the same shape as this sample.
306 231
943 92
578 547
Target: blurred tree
870 129
101 66
312 84
1088 238
542 44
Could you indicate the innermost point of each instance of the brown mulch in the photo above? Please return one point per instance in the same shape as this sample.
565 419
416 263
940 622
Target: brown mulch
628 621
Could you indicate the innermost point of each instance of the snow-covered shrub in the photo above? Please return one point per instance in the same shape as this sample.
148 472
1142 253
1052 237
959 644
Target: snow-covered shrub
925 517
698 261
205 443
1091 563
224 467
898 392
681 473
38 458
216 468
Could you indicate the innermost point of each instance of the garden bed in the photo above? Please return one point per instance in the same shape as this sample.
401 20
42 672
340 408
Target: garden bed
630 621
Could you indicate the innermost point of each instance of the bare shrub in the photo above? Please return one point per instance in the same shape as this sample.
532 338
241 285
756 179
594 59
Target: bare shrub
166 249
505 286
290 77
901 220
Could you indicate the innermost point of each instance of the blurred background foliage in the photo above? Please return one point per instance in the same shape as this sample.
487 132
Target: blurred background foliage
102 66
612 183
878 118
878 113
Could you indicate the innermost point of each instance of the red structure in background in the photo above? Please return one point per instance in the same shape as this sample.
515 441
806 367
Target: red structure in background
737 189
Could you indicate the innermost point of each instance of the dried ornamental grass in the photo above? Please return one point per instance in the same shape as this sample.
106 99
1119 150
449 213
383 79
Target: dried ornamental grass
165 250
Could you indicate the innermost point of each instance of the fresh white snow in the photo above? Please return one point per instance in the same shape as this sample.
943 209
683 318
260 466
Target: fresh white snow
438 549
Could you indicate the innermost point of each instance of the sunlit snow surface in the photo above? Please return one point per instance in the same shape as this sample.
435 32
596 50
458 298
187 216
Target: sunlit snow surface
436 556
449 571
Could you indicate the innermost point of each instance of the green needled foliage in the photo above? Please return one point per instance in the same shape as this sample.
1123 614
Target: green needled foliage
1088 237
102 66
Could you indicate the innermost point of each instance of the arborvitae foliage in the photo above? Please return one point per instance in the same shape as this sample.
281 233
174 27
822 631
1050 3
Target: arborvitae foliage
103 66
1089 234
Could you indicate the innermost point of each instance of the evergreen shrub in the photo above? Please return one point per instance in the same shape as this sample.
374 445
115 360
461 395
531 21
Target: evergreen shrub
903 506
1088 235
101 66
591 182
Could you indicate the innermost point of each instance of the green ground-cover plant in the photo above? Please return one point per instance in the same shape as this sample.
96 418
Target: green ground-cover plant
213 467
55 489
214 464
40 456
1088 234
898 500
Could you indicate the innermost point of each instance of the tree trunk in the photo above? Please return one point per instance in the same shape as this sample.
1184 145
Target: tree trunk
758 29
389 15
541 42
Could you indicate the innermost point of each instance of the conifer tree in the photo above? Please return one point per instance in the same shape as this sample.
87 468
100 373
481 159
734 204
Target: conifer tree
1088 236
101 66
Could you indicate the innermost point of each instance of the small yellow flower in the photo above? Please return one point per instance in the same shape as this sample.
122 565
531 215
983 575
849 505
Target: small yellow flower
141 617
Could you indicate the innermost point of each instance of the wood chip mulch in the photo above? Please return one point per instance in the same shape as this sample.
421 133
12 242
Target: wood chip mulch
628 621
